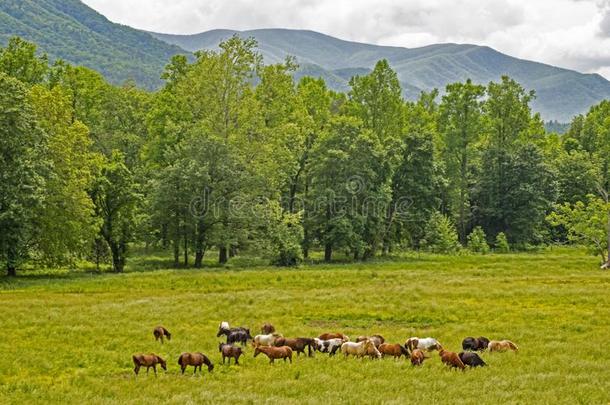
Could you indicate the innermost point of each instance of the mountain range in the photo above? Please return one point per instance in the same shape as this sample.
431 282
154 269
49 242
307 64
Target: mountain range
70 30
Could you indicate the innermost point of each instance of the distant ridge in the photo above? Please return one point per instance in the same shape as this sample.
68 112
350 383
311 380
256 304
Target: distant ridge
561 93
70 30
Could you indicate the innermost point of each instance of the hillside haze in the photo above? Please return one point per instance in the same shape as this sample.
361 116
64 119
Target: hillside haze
70 30
561 93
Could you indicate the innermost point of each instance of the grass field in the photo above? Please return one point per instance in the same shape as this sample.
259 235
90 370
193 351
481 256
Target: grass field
69 338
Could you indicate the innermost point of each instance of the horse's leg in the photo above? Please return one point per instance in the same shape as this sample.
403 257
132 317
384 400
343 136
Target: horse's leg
136 369
155 369
182 367
147 368
236 360
290 358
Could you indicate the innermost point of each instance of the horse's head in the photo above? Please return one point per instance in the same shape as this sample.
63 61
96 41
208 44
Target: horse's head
220 345
210 367
162 363
257 351
248 335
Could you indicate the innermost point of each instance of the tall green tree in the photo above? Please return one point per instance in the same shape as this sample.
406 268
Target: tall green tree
461 127
23 169
19 60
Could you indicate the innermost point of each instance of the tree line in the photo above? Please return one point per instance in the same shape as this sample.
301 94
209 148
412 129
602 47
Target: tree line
232 155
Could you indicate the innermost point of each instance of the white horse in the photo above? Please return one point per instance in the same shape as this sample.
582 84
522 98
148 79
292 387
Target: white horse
265 340
328 346
360 349
428 344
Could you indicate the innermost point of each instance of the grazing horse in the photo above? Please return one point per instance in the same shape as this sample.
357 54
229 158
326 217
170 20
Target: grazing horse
451 359
360 349
273 353
428 344
395 350
328 346
160 332
471 359
196 360
225 329
265 340
376 339
267 329
502 346
330 335
148 361
298 345
475 344
417 357
230 351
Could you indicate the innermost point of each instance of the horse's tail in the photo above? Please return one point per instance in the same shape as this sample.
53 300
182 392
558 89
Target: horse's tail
512 345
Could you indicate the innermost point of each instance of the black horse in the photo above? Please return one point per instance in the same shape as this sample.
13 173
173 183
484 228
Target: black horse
235 335
472 359
475 344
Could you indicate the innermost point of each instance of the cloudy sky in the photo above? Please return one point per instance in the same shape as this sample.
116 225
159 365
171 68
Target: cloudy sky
568 33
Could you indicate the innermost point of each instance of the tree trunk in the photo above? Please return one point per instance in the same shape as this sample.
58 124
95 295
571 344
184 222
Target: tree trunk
176 254
222 255
118 263
11 260
607 265
199 258
328 252
199 245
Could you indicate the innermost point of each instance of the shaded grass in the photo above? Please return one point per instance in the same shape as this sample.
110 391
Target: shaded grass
69 338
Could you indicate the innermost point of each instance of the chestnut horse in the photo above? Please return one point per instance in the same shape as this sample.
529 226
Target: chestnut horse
298 344
196 360
330 335
148 361
395 350
160 332
417 357
451 359
283 352
230 351
502 346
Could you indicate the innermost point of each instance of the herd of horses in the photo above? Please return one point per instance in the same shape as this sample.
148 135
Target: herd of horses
277 347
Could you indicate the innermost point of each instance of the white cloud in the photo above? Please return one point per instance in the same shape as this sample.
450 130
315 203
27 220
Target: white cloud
569 33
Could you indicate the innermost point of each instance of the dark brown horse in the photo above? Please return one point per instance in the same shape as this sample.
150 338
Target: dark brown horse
472 359
230 352
160 332
475 344
196 360
267 329
273 353
148 361
298 344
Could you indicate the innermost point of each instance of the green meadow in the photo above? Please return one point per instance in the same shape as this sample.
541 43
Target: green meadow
68 337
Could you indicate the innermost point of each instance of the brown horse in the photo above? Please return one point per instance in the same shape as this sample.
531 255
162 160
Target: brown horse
230 351
475 344
417 357
331 335
196 360
451 359
298 344
273 353
502 346
395 350
148 361
377 340
160 332
267 329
